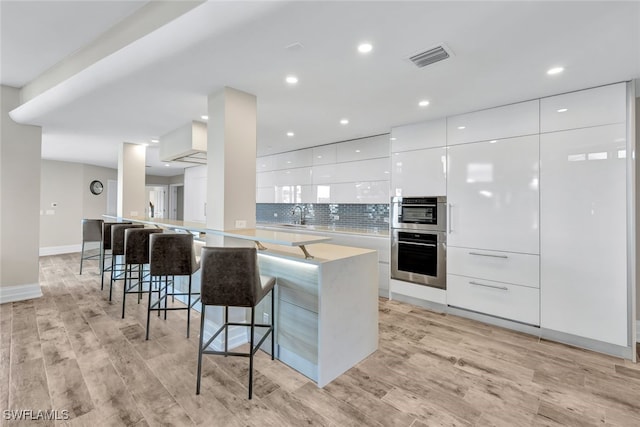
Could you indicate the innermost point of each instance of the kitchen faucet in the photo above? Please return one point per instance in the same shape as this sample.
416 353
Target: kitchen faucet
293 213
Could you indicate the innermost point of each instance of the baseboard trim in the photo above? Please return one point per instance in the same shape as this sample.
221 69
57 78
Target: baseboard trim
59 250
20 292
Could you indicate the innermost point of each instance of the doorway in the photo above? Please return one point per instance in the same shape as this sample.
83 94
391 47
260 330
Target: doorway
156 201
176 202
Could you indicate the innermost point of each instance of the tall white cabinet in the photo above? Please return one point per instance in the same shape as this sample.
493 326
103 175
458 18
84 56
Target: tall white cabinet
583 214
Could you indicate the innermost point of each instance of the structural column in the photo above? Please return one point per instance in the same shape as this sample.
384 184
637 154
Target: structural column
131 180
231 160
19 204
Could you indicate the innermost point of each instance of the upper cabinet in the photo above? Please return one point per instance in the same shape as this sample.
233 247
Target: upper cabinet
419 173
495 123
324 155
599 106
419 136
362 149
293 159
493 195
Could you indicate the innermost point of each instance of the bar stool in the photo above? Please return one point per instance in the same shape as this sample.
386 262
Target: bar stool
117 248
171 254
231 277
106 246
136 252
91 232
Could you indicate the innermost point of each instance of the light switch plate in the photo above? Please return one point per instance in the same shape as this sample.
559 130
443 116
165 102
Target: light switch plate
240 223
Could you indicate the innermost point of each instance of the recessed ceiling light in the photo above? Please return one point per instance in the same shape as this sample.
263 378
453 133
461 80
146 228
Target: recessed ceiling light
167 164
204 117
319 157
555 70
344 121
493 141
423 103
290 134
462 127
291 80
365 47
155 141
288 161
357 151
393 138
561 110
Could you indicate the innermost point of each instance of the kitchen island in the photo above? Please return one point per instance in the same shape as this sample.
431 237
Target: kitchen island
326 298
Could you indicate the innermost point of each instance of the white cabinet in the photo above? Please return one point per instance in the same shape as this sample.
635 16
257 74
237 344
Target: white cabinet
359 171
264 164
419 172
293 159
362 149
583 239
599 106
195 194
495 123
513 302
430 134
493 195
324 154
507 267
360 192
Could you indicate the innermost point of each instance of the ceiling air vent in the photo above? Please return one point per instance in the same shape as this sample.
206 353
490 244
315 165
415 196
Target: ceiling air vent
431 56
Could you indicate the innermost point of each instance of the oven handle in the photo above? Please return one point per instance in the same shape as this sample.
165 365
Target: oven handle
431 205
489 255
404 242
502 288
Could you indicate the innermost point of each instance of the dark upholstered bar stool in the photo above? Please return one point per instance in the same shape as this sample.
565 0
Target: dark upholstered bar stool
171 254
136 252
231 277
117 248
91 232
106 246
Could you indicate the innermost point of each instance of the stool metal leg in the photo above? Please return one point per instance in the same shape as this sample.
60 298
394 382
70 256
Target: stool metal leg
113 269
226 330
127 269
188 307
273 333
251 352
149 306
200 349
81 257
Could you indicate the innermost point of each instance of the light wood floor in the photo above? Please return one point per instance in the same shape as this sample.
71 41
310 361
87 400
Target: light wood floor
70 350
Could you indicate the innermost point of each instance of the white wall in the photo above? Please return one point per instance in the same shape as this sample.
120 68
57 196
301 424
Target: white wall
19 206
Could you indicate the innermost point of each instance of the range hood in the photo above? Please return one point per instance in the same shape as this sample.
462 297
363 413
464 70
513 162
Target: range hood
185 144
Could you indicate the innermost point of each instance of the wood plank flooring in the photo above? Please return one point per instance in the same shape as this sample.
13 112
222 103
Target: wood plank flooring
70 350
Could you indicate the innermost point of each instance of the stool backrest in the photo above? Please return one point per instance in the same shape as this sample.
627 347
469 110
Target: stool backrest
136 244
172 254
106 233
117 237
230 276
92 230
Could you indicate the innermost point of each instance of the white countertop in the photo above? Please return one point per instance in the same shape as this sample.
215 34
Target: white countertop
372 232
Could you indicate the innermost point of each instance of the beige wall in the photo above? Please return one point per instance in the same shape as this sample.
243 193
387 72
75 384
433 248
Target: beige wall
67 185
20 196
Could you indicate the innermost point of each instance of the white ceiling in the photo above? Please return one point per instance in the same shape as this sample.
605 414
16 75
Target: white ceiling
160 82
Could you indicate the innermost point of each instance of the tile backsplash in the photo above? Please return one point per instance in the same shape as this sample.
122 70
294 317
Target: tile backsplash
342 215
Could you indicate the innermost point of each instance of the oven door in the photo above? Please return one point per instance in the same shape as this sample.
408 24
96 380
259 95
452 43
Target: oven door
419 257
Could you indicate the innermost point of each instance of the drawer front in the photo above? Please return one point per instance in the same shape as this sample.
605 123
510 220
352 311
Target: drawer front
519 303
508 267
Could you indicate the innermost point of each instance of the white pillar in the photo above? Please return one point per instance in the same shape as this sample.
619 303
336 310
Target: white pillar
231 160
19 204
131 180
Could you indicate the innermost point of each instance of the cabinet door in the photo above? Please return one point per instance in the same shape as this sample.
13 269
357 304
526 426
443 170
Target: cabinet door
583 279
419 173
419 136
195 194
492 191
591 107
495 123
362 149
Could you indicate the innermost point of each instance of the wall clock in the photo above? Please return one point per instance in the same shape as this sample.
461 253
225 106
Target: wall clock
96 187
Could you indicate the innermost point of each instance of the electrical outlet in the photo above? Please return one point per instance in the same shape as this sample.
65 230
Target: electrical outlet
240 223
265 318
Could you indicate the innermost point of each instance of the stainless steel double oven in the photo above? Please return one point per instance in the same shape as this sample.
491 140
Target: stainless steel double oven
419 240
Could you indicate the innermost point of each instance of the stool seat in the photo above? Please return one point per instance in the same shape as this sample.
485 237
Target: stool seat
231 277
136 252
91 232
171 254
